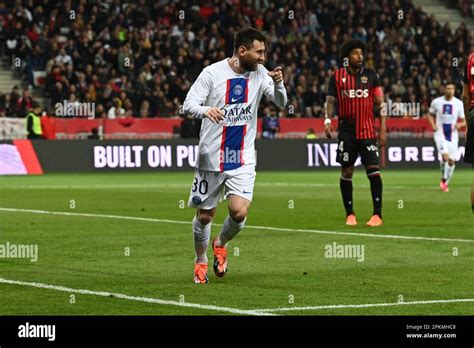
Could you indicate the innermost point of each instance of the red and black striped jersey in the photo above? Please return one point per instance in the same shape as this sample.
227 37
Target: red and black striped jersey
355 99
469 76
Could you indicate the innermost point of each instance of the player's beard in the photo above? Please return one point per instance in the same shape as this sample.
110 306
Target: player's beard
249 65
357 65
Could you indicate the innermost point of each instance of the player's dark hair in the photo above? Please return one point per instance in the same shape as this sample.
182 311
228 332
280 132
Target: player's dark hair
449 82
246 36
347 47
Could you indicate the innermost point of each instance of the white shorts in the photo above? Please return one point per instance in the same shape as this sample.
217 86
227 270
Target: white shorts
208 186
447 147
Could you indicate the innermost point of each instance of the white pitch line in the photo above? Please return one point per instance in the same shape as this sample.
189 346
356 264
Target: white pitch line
134 218
256 312
133 298
267 228
357 234
366 305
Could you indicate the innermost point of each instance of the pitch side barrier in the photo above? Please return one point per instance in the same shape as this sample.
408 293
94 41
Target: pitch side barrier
60 156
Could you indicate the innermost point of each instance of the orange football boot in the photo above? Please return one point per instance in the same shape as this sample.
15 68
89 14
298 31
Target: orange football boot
351 220
200 273
374 221
444 187
220 259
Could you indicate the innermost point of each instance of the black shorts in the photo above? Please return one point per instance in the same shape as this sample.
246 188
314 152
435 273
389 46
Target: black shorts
348 149
469 153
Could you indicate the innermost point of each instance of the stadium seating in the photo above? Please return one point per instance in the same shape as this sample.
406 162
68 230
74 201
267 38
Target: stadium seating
86 61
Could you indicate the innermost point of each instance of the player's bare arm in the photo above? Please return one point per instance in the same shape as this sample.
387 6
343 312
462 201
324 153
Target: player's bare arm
431 119
466 100
461 124
329 111
383 121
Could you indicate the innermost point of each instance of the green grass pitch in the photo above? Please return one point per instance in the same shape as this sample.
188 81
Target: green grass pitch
268 269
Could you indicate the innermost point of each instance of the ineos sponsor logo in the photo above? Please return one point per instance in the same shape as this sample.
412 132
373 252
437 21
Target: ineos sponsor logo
355 93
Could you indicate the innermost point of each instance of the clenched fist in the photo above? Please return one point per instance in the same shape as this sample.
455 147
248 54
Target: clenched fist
214 114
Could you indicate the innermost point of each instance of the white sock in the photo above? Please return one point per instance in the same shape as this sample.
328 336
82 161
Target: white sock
446 172
450 173
202 233
442 165
230 228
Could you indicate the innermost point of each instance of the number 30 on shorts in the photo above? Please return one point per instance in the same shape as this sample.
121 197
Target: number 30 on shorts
201 186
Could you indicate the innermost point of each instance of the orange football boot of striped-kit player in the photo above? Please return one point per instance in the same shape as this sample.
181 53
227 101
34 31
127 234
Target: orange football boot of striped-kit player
351 220
374 221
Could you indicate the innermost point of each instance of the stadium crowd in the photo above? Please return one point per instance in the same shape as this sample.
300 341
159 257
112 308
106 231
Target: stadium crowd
140 58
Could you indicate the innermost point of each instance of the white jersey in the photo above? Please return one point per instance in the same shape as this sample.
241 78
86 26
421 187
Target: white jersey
231 143
447 113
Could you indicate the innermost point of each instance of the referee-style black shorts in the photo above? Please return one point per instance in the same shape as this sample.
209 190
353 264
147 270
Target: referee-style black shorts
469 153
348 149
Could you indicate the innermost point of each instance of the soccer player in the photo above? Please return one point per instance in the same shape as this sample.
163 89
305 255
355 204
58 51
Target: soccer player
355 89
468 101
226 96
447 110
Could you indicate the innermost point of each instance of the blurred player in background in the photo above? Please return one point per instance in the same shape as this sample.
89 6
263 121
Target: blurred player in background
355 89
468 101
226 96
445 112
